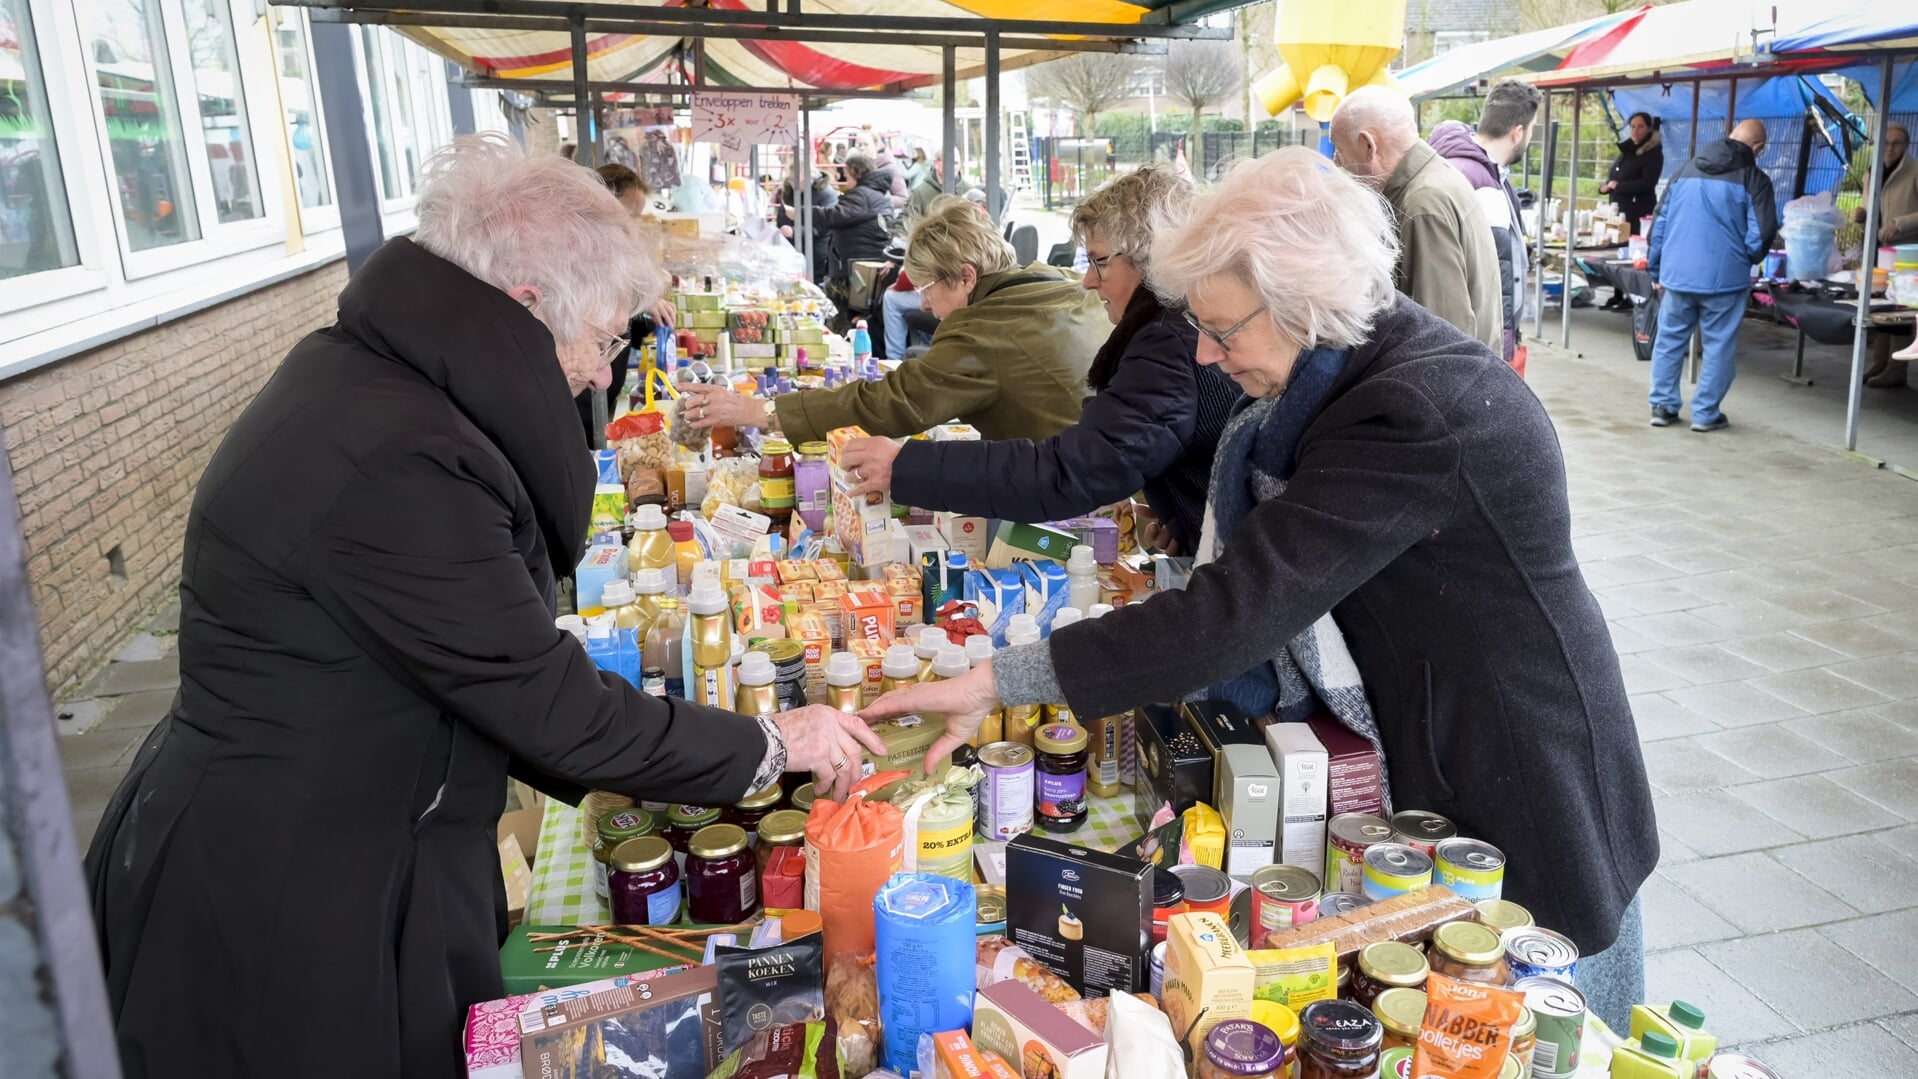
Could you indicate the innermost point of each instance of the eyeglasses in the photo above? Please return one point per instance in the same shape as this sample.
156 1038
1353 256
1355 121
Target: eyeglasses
1098 266
1222 339
610 344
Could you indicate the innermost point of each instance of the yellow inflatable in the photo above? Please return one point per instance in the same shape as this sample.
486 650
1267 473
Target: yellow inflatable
1329 50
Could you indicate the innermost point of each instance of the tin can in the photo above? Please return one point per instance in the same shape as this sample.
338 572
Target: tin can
1206 889
943 839
1734 1066
1393 869
1333 904
1421 830
1346 837
992 909
1396 1062
1283 896
1005 792
1532 952
789 671
1472 868
1559 1011
1156 978
1503 914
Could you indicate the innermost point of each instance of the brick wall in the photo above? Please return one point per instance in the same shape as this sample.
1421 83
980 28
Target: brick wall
106 448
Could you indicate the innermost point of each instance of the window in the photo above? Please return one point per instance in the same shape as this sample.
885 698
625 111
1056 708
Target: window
1445 41
36 225
378 90
216 75
142 118
299 93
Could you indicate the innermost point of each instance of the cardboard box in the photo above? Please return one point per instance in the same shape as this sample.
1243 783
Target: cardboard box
1174 766
526 970
860 523
665 1026
1208 976
1217 725
1085 914
907 740
999 594
1033 1036
1046 591
923 540
955 1057
1120 584
1099 533
1170 574
518 873
967 535
1248 800
1351 768
1014 541
868 615
906 595
942 578
871 656
491 1034
1301 764
953 432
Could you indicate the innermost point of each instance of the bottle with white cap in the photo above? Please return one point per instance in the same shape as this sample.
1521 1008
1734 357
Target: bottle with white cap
602 642
573 624
1022 719
899 668
649 590
1099 610
1082 578
845 675
652 545
993 727
925 648
757 696
709 647
1108 767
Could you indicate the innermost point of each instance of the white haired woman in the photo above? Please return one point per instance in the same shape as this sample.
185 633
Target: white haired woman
1382 472
299 875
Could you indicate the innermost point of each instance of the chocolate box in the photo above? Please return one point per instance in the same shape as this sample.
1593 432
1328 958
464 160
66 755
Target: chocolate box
1217 725
1174 766
1034 1037
1085 914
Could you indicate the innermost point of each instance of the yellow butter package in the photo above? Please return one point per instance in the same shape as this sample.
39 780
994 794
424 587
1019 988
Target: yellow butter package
1295 977
1205 835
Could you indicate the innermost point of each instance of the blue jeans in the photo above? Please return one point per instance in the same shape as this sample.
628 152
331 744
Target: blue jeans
1613 980
1716 316
895 305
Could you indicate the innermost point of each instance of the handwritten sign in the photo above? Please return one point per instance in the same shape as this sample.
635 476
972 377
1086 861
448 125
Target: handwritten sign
738 122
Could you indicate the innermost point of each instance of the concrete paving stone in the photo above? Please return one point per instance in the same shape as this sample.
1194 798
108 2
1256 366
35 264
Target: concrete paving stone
138 711
1894 675
1679 534
1613 608
1735 704
1705 664
1614 545
96 749
1749 617
1627 643
1859 1049
1903 713
1643 676
1904 1028
1729 586
1892 784
141 646
1782 652
1889 942
1817 690
1856 638
1674 918
167 620
1658 717
1675 629
1698 560
1904 623
1772 751
1861 735
1756 894
1870 875
1735 1013
1791 577
1613 520
89 790
1683 764
1713 822
116 679
1890 595
1672 852
1825 604
1818 806
1656 597
1808 978
1837 541
80 716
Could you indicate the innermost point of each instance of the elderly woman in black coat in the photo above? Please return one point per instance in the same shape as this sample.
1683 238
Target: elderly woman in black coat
299 875
1387 538
1151 425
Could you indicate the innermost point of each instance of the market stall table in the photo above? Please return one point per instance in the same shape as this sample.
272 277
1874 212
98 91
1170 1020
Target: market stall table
1825 320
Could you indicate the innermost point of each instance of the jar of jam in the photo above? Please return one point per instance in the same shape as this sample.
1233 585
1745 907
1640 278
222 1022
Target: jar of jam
1401 1012
812 484
1384 965
1338 1040
776 496
722 882
1503 914
753 809
644 882
614 827
1060 787
1241 1049
682 821
1470 952
1168 898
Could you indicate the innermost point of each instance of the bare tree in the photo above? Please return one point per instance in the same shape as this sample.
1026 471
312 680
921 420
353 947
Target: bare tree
1201 74
1088 83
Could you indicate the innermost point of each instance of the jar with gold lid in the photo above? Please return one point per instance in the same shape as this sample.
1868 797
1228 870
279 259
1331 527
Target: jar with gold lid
1401 1012
750 810
722 882
1386 964
1469 952
781 854
1503 914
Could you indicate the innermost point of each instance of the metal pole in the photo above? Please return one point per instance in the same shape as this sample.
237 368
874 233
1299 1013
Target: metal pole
949 123
992 124
1731 107
1544 197
586 134
1868 250
802 186
1693 362
347 143
1571 227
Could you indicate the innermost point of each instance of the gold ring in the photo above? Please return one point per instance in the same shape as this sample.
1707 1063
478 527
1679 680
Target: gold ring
838 764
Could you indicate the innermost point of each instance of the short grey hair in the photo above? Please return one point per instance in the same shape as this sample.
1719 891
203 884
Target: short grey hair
859 162
512 220
1129 210
950 234
1315 244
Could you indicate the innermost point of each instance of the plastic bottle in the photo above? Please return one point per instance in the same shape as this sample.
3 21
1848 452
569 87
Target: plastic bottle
602 644
573 624
1061 712
949 663
900 668
652 545
630 622
756 695
861 345
1107 734
1022 719
1099 610
993 727
649 587
844 676
685 554
709 647
1082 578
925 647
665 646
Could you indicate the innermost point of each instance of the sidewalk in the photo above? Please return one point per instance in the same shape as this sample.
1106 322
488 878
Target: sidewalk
1763 594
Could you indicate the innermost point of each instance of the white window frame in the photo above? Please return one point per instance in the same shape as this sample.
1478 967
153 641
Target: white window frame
400 205
313 219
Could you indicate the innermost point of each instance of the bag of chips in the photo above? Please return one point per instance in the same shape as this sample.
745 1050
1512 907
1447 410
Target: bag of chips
1467 1031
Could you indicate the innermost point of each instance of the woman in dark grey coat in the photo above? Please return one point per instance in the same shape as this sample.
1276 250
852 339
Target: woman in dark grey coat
1391 472
299 875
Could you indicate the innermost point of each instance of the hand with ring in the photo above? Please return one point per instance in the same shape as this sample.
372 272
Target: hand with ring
869 462
829 744
721 406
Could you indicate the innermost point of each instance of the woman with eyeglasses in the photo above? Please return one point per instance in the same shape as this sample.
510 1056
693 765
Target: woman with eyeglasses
1387 540
1151 426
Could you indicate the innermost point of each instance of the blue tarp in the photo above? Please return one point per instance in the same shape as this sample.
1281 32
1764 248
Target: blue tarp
1780 101
1904 83
1874 23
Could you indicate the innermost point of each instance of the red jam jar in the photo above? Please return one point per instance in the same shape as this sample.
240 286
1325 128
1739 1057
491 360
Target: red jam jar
682 823
722 885
644 882
753 808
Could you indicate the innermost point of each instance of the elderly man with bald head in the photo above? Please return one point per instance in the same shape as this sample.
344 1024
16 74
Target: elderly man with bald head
1447 262
1716 221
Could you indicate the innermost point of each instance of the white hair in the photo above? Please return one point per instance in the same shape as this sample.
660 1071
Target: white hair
1316 246
1385 112
514 221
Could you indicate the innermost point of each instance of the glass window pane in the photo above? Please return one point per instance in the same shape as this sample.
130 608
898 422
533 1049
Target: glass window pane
299 94
406 136
36 227
229 146
143 123
376 86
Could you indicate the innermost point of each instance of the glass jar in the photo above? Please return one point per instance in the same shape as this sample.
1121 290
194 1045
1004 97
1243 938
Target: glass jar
613 828
1524 1036
803 797
1503 914
1168 898
1338 1040
722 885
1284 1022
1470 952
779 888
682 822
1384 965
644 882
1241 1049
1060 790
1401 1012
753 809
776 481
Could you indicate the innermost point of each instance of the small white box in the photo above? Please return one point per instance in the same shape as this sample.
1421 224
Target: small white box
1304 787
967 535
1248 798
923 540
954 432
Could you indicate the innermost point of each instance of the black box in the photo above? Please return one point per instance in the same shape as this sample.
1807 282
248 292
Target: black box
1174 766
1054 888
1219 724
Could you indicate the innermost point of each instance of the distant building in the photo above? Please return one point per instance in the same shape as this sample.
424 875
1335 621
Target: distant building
1433 27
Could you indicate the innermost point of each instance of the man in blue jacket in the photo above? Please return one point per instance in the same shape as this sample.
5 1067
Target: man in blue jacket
1716 222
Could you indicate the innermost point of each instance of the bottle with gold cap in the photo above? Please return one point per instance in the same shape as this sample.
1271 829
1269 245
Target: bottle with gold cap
844 674
993 727
757 696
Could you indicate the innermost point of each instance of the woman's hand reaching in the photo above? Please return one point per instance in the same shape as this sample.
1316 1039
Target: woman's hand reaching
965 701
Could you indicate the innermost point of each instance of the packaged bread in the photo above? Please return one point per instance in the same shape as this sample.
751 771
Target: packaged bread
1000 960
1409 918
852 1003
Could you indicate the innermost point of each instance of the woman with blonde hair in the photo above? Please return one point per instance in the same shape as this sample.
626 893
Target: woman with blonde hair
1387 539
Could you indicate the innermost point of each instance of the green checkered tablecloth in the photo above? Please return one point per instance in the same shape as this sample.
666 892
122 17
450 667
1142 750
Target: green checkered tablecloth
562 889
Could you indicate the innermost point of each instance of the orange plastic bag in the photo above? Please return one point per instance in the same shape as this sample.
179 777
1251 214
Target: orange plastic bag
1467 1031
852 848
1518 360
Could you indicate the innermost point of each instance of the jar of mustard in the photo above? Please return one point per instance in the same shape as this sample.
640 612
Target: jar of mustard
1469 952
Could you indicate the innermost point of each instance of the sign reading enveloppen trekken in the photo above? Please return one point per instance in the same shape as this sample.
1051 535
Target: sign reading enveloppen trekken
737 122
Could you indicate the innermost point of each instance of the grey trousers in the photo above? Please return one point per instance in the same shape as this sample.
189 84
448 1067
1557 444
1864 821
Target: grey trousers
1614 979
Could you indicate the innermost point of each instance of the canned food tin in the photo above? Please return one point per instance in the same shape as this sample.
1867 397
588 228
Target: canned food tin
1346 837
1502 914
1734 1066
1333 904
1559 1011
1421 830
789 671
1532 952
992 909
1394 869
1155 980
944 839
1005 793
1239 918
1396 1062
1472 868
1206 889
1283 896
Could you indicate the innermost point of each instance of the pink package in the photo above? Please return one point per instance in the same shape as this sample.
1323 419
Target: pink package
492 1028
